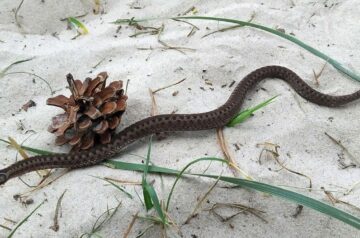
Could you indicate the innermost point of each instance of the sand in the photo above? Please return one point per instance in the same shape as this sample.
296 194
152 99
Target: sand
295 125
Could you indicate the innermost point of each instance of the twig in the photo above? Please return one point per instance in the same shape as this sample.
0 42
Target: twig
189 10
193 29
145 230
317 75
193 213
338 142
5 227
275 155
97 64
127 232
154 107
55 227
44 184
232 162
173 84
334 200
224 148
167 46
352 188
124 182
243 209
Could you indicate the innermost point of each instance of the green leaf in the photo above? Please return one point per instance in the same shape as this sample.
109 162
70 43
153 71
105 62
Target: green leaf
81 28
151 191
147 198
242 116
262 187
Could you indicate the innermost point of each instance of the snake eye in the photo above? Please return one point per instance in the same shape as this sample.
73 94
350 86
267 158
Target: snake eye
3 178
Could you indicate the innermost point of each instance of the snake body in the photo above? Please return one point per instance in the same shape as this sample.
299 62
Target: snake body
176 122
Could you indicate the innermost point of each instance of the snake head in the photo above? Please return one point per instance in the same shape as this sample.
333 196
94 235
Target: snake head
3 178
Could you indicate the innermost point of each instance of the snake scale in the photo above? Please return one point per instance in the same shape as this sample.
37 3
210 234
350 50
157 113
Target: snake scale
176 122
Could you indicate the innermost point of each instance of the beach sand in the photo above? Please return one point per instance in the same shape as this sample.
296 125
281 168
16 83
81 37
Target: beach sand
294 124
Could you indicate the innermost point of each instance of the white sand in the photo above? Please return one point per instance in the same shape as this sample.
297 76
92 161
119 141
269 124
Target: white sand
291 122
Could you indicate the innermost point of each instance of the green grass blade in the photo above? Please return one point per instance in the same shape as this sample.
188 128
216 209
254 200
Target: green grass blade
31 149
81 28
183 171
147 197
270 189
2 72
242 116
139 167
305 46
151 191
24 220
147 161
116 186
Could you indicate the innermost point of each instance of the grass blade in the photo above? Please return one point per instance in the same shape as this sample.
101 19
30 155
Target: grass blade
242 116
145 185
305 46
2 72
155 200
262 187
291 38
81 28
24 220
34 150
150 197
183 171
116 186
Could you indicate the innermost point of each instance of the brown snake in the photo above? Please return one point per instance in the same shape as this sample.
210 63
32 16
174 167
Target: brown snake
175 122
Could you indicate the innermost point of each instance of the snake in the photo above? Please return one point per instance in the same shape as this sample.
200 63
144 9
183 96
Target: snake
216 118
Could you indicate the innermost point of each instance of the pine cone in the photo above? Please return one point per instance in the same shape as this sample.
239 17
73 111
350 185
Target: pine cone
92 112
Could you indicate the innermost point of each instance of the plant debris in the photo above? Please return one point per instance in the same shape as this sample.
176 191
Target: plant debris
27 105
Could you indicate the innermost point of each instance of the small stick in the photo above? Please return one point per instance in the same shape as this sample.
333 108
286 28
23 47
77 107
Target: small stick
275 156
154 107
127 232
97 64
232 162
334 200
224 148
125 182
162 88
189 10
193 213
55 227
338 142
317 75
5 227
